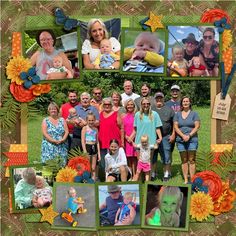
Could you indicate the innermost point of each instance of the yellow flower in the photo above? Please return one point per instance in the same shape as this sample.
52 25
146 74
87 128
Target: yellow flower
15 66
66 175
201 206
227 39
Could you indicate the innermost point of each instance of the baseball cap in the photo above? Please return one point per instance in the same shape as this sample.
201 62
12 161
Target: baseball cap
113 188
159 94
175 86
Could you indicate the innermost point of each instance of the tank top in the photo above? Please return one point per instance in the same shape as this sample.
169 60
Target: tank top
90 135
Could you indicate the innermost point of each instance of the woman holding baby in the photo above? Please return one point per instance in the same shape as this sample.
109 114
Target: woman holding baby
92 45
43 59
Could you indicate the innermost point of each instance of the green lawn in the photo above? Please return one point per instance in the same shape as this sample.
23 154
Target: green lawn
35 138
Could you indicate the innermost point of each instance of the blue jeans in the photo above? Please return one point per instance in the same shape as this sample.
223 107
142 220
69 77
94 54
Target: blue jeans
165 149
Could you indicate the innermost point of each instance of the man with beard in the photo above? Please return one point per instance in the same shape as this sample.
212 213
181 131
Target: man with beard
64 111
145 92
190 44
174 102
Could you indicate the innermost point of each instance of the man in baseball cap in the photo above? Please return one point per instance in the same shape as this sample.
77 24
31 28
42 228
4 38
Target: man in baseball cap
174 102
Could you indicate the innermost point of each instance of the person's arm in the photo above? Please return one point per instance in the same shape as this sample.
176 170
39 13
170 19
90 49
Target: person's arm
117 214
66 131
103 206
87 63
83 139
123 161
158 132
34 57
172 136
128 220
154 58
45 133
66 62
128 52
195 129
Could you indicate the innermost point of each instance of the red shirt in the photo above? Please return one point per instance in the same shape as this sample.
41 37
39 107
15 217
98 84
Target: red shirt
65 113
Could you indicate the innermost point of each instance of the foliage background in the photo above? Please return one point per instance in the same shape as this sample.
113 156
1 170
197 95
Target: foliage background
13 16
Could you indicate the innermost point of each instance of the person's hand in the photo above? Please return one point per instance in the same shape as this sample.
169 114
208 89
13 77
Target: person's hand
186 138
99 158
109 168
156 219
127 220
138 55
96 67
172 138
159 140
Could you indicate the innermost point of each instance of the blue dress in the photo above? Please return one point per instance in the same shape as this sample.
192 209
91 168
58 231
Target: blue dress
51 150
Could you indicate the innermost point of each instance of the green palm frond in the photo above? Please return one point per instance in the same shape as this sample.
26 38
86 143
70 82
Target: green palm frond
76 152
204 160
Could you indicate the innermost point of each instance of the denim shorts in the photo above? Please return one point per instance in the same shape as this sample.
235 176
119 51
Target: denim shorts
165 149
187 146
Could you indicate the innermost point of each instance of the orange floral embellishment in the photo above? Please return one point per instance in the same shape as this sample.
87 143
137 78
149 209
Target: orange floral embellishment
39 89
66 174
80 164
213 15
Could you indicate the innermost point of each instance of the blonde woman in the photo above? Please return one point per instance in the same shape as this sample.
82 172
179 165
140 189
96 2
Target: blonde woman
91 46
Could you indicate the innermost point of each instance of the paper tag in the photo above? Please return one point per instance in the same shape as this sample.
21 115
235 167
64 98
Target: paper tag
221 107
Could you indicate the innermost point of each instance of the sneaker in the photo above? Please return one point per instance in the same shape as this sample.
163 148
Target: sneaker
166 174
153 176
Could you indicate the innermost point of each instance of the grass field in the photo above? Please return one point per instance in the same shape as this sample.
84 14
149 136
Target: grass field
35 139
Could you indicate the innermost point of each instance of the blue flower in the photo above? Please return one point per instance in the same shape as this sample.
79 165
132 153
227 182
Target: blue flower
84 178
29 77
222 25
197 186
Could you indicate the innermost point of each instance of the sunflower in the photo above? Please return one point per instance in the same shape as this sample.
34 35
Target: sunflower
227 39
15 66
201 206
66 175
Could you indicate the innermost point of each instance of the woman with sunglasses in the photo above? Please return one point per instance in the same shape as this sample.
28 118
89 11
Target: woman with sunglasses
209 50
109 128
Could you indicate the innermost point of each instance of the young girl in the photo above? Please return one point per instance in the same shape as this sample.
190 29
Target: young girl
90 144
126 209
75 204
116 163
144 152
179 66
168 212
128 135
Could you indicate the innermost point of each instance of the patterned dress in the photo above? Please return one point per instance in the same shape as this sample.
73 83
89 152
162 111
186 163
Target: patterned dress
51 150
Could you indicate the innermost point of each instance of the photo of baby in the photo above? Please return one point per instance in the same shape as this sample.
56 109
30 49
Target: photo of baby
166 206
32 188
75 204
193 51
119 205
144 51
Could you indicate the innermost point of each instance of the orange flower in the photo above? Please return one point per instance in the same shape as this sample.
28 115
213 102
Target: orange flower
66 174
212 181
225 202
80 164
213 15
20 93
38 89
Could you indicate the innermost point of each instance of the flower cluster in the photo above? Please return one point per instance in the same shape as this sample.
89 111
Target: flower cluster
217 199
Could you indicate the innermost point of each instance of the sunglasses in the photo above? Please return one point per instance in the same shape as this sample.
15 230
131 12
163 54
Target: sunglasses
189 42
97 93
208 37
114 192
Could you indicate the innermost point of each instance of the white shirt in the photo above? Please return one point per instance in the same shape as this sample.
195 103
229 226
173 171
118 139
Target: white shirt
115 161
145 153
125 97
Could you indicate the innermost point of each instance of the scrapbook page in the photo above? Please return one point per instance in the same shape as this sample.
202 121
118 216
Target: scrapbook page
118 118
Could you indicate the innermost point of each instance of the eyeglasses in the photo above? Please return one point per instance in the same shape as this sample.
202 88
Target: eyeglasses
146 104
114 192
208 37
45 40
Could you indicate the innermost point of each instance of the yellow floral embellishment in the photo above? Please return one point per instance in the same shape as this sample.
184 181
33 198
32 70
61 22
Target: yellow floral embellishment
154 22
15 66
48 214
66 175
201 206
227 39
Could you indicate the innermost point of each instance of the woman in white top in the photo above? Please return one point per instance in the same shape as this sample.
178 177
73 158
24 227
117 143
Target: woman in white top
116 163
90 49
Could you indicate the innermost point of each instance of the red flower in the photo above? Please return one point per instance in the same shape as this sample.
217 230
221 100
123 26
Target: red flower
20 93
213 15
80 164
212 181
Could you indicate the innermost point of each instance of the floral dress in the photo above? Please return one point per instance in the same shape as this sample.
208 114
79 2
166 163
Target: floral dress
51 150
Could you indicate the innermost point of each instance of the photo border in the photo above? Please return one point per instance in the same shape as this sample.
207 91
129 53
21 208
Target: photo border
122 53
27 210
120 184
55 27
144 226
77 228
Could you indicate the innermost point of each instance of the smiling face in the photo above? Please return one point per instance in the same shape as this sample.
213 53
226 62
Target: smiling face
105 46
53 111
190 47
168 204
128 87
97 94
46 41
148 42
208 37
178 54
145 91
90 120
116 99
174 93
186 103
97 32
57 62
196 62
73 98
145 104
115 195
85 101
39 183
114 147
130 106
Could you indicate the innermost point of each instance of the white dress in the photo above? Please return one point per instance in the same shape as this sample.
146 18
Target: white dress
94 52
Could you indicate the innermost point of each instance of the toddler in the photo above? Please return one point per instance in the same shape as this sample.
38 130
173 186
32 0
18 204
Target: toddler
197 67
58 67
90 144
147 47
144 152
168 212
42 196
126 209
106 57
179 64
75 204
